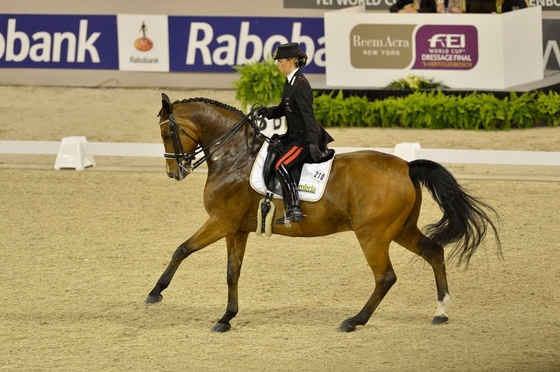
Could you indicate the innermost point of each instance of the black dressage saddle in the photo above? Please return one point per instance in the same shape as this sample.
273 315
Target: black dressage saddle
275 149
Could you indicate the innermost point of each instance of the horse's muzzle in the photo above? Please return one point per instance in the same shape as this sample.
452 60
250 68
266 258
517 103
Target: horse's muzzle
179 172
179 176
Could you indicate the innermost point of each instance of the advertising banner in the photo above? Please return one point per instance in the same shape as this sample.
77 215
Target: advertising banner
216 44
153 42
546 4
424 47
58 41
474 51
551 41
446 47
384 4
338 4
143 42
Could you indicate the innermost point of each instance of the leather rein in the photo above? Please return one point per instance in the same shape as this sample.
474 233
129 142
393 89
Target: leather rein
184 159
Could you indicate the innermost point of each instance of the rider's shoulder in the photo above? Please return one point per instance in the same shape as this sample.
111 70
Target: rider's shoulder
300 78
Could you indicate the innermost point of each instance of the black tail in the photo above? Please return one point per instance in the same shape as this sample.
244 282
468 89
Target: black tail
465 221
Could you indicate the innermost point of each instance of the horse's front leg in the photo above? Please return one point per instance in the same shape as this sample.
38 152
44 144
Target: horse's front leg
209 233
236 244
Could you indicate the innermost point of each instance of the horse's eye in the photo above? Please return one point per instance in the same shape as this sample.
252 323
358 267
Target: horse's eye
166 137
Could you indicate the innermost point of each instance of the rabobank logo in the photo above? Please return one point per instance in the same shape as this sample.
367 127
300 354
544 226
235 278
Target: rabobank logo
143 43
59 41
216 44
446 47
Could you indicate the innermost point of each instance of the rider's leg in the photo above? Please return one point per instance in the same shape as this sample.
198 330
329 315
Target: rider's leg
290 195
288 160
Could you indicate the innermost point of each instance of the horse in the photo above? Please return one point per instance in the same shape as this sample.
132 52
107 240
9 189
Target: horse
376 195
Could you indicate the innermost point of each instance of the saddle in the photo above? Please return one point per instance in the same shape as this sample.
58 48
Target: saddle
274 150
311 179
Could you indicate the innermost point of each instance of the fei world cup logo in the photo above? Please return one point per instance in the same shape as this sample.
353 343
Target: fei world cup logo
445 47
427 47
447 41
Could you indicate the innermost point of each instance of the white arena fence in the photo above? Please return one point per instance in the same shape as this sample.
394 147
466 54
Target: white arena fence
76 153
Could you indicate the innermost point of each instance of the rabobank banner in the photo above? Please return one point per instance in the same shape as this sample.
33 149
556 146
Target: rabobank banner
153 42
58 41
215 44
174 43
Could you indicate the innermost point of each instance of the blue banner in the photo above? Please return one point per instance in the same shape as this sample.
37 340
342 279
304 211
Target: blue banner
58 41
216 44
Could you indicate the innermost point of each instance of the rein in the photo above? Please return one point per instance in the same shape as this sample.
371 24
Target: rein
183 159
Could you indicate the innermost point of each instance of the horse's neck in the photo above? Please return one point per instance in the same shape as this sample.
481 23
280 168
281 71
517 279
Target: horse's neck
233 155
237 155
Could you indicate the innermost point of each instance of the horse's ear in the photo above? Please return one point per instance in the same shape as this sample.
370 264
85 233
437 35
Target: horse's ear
166 105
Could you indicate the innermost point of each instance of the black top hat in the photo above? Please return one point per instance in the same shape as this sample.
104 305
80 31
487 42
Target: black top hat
290 50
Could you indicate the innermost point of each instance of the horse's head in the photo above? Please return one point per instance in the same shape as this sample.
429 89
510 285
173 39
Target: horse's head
180 141
201 125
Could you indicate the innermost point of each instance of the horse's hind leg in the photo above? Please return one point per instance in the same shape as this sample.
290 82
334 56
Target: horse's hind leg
412 239
206 235
236 244
377 256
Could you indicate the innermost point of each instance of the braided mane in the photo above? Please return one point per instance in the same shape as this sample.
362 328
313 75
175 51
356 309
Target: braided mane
212 102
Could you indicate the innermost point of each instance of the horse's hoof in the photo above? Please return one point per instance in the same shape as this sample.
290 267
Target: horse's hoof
346 327
221 327
153 299
440 319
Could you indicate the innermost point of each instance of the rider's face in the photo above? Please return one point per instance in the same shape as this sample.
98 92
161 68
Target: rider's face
285 65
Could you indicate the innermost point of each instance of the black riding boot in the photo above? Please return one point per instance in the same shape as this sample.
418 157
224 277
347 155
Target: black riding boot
291 197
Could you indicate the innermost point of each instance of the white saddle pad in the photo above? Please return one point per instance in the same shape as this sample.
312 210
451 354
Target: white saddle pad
312 183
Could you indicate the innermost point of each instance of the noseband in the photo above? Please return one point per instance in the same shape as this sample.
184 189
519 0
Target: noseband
184 159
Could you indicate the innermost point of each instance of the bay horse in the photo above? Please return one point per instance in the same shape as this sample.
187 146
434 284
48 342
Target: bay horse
376 195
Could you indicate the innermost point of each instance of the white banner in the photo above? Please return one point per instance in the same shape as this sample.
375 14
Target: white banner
464 51
143 42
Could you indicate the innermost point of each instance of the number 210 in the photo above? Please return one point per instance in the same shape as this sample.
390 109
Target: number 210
319 176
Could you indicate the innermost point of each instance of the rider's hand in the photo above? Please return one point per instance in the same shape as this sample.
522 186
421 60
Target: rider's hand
262 111
316 154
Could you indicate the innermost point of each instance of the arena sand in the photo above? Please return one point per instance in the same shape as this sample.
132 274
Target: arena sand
81 250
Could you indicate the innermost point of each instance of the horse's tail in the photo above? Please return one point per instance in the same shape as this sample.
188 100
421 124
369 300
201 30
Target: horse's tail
465 221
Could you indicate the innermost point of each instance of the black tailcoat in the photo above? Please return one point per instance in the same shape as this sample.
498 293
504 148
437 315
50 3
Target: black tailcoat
297 106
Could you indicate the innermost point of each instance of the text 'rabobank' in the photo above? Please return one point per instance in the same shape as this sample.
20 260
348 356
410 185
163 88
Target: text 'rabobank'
190 44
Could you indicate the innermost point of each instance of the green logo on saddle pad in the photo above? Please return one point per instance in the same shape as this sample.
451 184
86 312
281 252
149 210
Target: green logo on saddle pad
307 188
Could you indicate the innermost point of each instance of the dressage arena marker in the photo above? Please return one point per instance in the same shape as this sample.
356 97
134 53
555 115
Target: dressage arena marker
71 154
75 152
406 150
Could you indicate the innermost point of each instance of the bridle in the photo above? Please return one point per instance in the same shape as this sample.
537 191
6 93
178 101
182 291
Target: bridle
184 159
